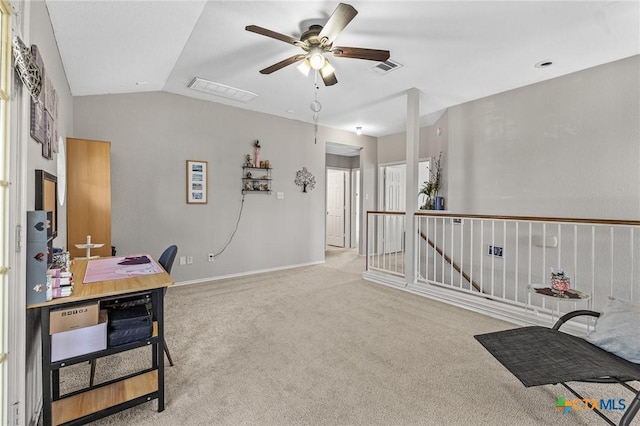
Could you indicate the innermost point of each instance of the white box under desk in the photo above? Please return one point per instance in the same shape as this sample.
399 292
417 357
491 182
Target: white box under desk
80 341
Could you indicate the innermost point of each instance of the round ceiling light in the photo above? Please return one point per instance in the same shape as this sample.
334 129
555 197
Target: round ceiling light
316 59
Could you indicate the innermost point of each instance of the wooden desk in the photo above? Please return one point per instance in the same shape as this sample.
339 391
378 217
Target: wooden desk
107 398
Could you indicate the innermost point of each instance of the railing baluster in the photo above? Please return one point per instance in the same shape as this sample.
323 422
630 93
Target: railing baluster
461 249
472 221
481 251
530 266
593 263
559 246
444 248
576 275
452 251
504 260
632 251
611 260
493 259
516 281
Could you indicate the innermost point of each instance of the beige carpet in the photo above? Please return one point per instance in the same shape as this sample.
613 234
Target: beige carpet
320 346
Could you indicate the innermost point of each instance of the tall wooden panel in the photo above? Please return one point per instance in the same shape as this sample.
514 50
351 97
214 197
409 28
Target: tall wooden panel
88 195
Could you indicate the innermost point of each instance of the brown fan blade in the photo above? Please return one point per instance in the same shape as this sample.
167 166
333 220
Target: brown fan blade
330 79
265 32
340 18
282 64
361 53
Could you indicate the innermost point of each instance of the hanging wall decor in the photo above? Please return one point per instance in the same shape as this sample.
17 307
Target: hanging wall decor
197 187
44 99
27 68
305 179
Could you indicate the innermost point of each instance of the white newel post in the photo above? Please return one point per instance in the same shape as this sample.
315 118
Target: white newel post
412 145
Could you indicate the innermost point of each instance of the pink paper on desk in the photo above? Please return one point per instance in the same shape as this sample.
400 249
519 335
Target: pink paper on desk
114 268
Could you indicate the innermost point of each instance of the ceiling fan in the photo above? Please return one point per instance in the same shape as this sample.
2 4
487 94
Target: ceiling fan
317 41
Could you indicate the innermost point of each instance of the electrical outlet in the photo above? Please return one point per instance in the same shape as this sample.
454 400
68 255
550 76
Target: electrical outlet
183 260
494 251
211 258
189 260
280 195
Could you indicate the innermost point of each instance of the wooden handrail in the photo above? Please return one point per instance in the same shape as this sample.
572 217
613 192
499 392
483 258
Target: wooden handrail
530 218
451 262
436 213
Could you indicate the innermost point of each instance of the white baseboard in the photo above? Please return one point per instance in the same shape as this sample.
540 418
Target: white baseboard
244 274
492 308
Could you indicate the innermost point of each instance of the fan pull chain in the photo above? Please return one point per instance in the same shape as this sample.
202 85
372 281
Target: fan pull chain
315 106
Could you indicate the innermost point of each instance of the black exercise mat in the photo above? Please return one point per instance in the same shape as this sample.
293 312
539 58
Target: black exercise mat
121 336
134 316
542 356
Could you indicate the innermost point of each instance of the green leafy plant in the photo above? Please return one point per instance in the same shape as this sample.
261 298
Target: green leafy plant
431 187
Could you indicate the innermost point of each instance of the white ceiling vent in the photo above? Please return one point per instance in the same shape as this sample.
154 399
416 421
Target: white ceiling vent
385 67
217 89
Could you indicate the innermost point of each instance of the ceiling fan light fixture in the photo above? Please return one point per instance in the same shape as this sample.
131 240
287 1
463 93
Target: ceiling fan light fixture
316 58
304 67
317 41
327 69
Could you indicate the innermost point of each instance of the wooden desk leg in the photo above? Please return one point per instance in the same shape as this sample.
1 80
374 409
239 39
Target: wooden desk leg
45 338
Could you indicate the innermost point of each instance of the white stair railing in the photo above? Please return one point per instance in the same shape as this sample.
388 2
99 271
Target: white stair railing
491 263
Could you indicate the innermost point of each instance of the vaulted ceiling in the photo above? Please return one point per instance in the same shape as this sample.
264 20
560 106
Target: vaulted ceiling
452 51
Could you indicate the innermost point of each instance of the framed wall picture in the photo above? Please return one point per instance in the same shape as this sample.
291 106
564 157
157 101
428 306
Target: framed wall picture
37 127
47 199
197 182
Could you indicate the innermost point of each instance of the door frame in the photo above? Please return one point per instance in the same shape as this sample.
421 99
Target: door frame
356 226
348 192
381 177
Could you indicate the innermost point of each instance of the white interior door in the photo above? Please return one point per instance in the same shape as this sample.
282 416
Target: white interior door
394 188
394 200
336 181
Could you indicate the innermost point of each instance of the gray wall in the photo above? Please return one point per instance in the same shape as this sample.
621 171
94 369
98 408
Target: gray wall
41 34
36 29
153 134
567 147
339 161
391 148
432 141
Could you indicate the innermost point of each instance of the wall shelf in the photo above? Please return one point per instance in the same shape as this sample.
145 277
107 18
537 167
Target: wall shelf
256 179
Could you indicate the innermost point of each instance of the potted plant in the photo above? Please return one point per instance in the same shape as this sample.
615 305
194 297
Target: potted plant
431 187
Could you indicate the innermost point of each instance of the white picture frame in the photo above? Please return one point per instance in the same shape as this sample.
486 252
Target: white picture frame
197 181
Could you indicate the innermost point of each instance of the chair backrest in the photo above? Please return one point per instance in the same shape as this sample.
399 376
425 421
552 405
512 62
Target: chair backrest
167 257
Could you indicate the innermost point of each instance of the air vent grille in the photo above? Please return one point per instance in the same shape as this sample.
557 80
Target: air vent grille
217 89
385 67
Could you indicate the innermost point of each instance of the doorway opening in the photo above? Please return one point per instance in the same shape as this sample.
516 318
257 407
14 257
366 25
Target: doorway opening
392 185
338 211
343 208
